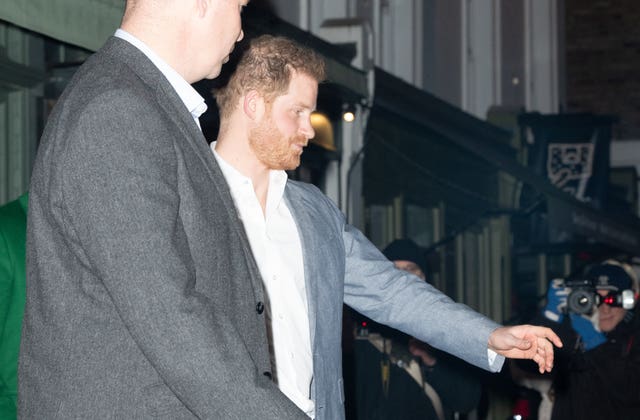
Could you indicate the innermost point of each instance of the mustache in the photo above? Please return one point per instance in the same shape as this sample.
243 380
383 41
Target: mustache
300 139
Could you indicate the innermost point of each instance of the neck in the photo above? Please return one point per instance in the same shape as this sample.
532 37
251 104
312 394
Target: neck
163 36
233 146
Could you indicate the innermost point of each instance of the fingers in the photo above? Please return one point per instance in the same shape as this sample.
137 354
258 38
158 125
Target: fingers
547 333
551 336
544 355
540 360
538 343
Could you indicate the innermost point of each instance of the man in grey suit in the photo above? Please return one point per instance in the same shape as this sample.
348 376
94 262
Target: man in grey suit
143 298
310 259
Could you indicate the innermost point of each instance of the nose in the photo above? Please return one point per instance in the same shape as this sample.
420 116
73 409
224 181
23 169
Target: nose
604 308
307 129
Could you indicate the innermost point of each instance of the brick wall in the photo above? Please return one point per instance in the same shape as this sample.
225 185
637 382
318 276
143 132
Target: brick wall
603 61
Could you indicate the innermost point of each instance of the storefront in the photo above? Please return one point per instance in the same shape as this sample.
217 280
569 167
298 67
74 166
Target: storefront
495 230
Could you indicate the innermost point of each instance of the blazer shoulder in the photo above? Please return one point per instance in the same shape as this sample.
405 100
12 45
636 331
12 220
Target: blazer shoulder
118 67
312 194
304 187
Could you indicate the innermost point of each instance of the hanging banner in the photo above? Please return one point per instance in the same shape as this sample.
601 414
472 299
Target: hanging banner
571 151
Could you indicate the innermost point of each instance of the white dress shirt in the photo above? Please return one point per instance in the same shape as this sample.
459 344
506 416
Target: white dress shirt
276 246
190 97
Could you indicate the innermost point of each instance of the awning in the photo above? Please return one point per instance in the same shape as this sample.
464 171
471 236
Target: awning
430 151
83 23
455 150
581 219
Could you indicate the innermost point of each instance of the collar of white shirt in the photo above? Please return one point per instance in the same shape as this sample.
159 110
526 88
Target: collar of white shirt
190 97
235 179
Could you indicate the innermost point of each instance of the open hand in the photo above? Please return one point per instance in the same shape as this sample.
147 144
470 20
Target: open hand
526 342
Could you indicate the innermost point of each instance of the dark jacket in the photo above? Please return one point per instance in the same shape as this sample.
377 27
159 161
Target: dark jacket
602 383
399 397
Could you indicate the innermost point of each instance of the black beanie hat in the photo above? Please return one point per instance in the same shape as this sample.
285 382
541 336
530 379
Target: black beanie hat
407 250
608 276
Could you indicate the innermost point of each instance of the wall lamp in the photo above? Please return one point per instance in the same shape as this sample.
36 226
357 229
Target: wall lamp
324 131
348 112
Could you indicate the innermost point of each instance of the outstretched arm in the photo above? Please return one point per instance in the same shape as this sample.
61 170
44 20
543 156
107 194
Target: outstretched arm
526 342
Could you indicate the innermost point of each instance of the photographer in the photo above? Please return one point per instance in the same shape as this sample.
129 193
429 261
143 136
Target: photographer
597 373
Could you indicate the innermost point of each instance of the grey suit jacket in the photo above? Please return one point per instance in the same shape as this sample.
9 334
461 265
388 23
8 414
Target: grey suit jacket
341 265
143 298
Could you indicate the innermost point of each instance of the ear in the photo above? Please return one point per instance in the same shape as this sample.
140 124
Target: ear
253 105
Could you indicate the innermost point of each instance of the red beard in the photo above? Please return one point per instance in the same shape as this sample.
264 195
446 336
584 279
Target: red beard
273 149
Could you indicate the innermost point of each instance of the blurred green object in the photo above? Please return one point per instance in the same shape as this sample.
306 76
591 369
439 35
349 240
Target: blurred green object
13 232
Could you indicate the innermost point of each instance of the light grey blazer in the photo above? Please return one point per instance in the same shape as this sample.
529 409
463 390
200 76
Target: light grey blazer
342 265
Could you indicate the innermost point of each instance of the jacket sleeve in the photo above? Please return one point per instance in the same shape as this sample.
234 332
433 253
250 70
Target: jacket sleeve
374 287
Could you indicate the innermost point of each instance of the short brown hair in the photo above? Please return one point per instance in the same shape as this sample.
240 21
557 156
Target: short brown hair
266 66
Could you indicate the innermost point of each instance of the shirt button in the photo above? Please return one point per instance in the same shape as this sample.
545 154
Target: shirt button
260 308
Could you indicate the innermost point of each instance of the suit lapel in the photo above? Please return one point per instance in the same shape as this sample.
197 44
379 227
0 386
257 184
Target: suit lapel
304 213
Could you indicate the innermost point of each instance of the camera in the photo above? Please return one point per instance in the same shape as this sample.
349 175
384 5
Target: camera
583 297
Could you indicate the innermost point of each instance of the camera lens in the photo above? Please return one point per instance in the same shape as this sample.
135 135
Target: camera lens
581 301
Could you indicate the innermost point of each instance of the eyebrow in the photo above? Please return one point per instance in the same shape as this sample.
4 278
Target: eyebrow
304 105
